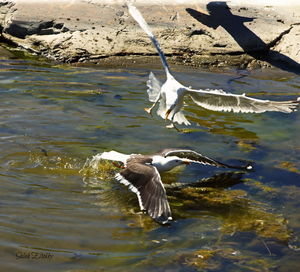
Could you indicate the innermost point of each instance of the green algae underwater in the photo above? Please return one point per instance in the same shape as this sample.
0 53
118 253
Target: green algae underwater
61 212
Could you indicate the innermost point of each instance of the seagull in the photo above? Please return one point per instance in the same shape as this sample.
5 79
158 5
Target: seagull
171 93
141 173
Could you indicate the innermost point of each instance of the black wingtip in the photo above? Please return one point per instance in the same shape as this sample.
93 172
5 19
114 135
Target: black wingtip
163 220
247 167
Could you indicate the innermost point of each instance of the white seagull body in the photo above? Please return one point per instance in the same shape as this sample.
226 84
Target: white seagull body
141 173
170 95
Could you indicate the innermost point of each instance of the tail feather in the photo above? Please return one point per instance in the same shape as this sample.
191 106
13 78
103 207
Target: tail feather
180 119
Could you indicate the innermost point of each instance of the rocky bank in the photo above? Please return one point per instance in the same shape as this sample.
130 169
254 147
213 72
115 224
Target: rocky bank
198 33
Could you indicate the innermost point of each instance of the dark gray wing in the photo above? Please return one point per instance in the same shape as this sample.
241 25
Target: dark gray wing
145 181
196 157
218 100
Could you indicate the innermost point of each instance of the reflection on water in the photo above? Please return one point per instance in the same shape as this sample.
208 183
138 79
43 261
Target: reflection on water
55 118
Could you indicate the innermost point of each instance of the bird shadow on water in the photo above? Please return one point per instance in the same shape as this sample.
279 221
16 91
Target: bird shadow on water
221 15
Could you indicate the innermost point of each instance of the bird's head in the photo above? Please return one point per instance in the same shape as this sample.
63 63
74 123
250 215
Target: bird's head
167 163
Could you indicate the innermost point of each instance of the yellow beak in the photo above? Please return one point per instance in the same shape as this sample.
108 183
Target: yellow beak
186 162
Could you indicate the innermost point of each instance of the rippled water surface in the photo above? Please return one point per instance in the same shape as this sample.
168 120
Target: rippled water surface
57 215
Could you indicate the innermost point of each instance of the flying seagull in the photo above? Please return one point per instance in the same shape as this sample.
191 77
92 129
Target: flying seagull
170 94
141 173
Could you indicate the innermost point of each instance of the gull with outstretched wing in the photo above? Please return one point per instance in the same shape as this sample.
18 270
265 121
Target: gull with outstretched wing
170 95
141 173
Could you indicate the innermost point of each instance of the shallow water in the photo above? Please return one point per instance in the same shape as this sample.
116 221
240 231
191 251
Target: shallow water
57 215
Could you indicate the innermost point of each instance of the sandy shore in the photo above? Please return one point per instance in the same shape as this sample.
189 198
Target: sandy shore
244 33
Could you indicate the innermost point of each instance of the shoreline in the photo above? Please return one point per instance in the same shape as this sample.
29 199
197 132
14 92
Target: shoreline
193 33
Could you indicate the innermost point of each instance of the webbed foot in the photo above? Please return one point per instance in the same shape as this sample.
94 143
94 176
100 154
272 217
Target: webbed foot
149 110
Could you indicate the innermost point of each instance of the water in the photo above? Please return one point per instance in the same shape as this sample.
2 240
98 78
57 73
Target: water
57 215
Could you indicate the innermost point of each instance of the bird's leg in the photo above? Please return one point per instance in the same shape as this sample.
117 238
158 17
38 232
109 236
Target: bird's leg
179 130
172 125
149 110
